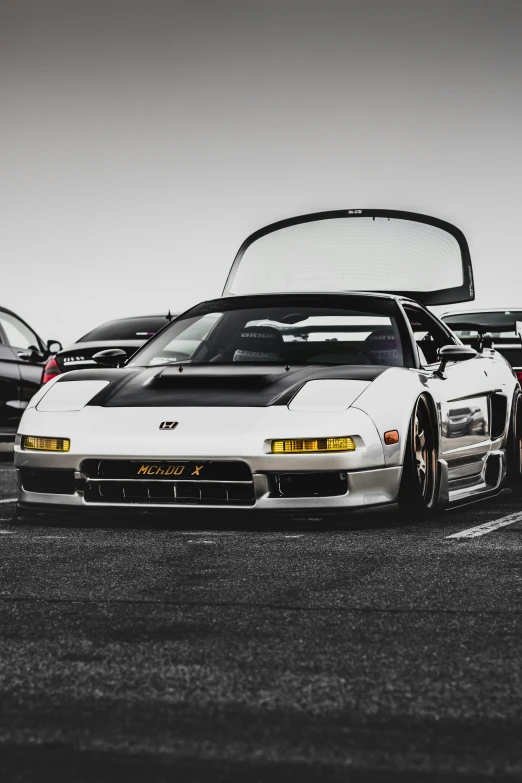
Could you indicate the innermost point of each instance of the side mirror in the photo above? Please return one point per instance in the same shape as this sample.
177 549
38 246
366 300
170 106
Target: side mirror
53 346
487 340
453 353
112 357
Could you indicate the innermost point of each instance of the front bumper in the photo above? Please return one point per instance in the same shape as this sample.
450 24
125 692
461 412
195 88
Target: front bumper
365 488
224 435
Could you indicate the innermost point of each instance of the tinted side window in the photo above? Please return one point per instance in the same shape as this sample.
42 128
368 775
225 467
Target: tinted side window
428 333
17 333
127 329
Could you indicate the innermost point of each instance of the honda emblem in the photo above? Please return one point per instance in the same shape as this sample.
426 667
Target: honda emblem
168 425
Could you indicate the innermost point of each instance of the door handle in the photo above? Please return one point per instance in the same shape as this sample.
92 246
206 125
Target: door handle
30 356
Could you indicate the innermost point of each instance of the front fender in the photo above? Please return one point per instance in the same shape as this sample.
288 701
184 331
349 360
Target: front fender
389 402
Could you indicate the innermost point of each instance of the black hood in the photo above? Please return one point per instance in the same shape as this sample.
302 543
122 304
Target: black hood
212 385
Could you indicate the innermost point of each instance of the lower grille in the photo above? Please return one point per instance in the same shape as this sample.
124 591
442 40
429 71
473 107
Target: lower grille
168 483
211 493
162 492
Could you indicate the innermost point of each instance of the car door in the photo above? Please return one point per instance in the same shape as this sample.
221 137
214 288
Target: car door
463 396
10 389
28 352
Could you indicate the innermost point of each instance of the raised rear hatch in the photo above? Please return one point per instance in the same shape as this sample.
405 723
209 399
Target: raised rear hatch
378 250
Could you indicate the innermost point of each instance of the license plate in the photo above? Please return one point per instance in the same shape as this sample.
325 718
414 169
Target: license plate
170 470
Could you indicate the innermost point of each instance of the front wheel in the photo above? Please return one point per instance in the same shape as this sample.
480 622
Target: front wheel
419 482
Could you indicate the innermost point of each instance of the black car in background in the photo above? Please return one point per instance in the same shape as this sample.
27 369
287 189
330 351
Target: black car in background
500 329
23 355
127 334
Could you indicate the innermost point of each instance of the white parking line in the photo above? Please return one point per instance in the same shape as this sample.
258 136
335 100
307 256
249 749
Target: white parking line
9 500
202 532
488 527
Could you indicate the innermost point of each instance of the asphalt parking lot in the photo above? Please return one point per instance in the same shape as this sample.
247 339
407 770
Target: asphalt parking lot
377 651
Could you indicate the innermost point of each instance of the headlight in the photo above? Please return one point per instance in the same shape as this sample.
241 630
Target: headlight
312 445
67 395
35 443
327 394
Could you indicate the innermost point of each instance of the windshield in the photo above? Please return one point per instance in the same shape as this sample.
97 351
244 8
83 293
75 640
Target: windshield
127 329
292 334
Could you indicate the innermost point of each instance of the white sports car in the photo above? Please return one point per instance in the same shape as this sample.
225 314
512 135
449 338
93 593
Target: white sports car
317 384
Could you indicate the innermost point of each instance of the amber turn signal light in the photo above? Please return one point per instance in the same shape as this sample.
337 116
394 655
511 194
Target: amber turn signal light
308 445
391 437
34 443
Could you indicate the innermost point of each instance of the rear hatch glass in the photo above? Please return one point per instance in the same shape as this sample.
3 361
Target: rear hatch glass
358 250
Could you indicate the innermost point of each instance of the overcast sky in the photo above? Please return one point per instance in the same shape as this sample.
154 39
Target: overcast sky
142 141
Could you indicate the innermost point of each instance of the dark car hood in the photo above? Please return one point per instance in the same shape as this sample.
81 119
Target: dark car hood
79 355
211 385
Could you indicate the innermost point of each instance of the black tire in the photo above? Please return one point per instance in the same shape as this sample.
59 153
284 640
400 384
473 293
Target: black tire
419 483
514 446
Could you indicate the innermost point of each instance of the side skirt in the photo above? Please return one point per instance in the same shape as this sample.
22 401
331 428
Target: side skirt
493 476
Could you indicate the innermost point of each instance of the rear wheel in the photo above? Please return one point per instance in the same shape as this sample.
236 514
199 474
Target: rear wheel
514 446
419 483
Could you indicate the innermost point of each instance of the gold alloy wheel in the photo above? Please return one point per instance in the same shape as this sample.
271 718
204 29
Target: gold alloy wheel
424 451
